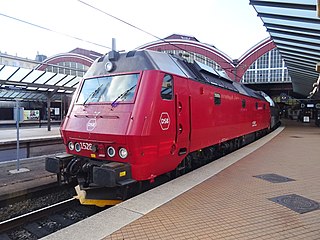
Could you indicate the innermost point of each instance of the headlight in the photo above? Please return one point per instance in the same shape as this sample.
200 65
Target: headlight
77 147
71 146
94 148
123 153
111 151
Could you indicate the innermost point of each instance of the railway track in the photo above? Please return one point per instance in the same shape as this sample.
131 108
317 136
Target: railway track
44 221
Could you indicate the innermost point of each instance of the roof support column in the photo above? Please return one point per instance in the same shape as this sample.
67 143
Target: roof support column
49 112
49 96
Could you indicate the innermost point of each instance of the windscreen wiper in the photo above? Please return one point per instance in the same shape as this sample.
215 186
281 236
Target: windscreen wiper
92 94
122 95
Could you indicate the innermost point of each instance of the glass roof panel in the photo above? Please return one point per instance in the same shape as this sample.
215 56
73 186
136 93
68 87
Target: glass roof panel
286 11
26 95
301 57
14 94
294 50
296 38
8 93
35 74
288 23
56 79
33 95
20 74
308 2
42 89
65 80
309 49
21 95
298 57
292 31
44 78
6 72
73 82
32 88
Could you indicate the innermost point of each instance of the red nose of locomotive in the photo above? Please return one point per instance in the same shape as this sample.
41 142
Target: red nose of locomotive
96 132
97 125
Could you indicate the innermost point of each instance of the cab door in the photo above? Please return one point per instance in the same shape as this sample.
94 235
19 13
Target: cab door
182 115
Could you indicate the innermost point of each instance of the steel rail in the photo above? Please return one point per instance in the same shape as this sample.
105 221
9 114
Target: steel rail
35 215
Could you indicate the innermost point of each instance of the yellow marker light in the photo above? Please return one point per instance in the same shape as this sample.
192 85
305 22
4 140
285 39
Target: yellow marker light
93 155
122 174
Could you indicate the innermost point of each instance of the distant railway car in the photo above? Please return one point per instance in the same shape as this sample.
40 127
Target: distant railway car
141 114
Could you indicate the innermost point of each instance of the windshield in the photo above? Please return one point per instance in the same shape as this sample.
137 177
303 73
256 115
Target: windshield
108 89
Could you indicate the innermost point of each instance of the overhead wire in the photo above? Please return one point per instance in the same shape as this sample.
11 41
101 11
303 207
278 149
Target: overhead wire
100 45
54 31
148 33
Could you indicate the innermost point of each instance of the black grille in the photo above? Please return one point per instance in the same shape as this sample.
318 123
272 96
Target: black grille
296 203
274 178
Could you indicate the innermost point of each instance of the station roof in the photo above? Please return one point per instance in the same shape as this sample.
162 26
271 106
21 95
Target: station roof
34 85
295 29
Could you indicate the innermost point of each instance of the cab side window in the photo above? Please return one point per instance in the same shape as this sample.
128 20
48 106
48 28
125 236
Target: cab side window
244 103
217 98
167 87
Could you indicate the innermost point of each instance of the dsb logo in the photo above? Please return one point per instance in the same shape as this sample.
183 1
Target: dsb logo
164 121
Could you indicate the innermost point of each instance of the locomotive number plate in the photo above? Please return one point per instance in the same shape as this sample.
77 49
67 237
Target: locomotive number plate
86 146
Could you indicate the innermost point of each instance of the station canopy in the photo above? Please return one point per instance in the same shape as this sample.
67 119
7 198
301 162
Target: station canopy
34 85
294 27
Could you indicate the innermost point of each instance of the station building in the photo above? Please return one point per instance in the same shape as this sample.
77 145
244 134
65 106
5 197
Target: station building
262 64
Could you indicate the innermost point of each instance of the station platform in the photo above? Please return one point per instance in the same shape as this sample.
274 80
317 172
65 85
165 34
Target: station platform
28 133
266 190
32 174
33 142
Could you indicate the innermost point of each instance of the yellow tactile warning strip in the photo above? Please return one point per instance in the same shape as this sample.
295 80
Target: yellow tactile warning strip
235 205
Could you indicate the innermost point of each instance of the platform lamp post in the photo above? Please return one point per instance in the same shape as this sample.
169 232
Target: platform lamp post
18 116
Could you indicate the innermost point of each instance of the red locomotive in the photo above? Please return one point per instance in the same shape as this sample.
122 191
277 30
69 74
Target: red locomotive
142 114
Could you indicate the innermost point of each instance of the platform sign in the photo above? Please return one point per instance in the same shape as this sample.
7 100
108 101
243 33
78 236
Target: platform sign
31 115
18 114
306 119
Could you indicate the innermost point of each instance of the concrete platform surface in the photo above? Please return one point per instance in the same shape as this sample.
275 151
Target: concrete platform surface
13 183
273 192
28 133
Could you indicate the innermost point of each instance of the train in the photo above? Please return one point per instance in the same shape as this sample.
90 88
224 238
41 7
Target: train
142 114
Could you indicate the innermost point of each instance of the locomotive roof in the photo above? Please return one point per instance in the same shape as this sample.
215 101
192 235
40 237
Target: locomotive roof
139 60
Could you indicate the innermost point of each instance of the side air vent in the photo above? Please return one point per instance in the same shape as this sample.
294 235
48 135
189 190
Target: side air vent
194 69
131 53
101 59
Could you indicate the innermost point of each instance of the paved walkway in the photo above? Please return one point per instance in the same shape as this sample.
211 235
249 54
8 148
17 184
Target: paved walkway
236 205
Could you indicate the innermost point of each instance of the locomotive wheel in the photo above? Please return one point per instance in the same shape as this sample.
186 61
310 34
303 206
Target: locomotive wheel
184 167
